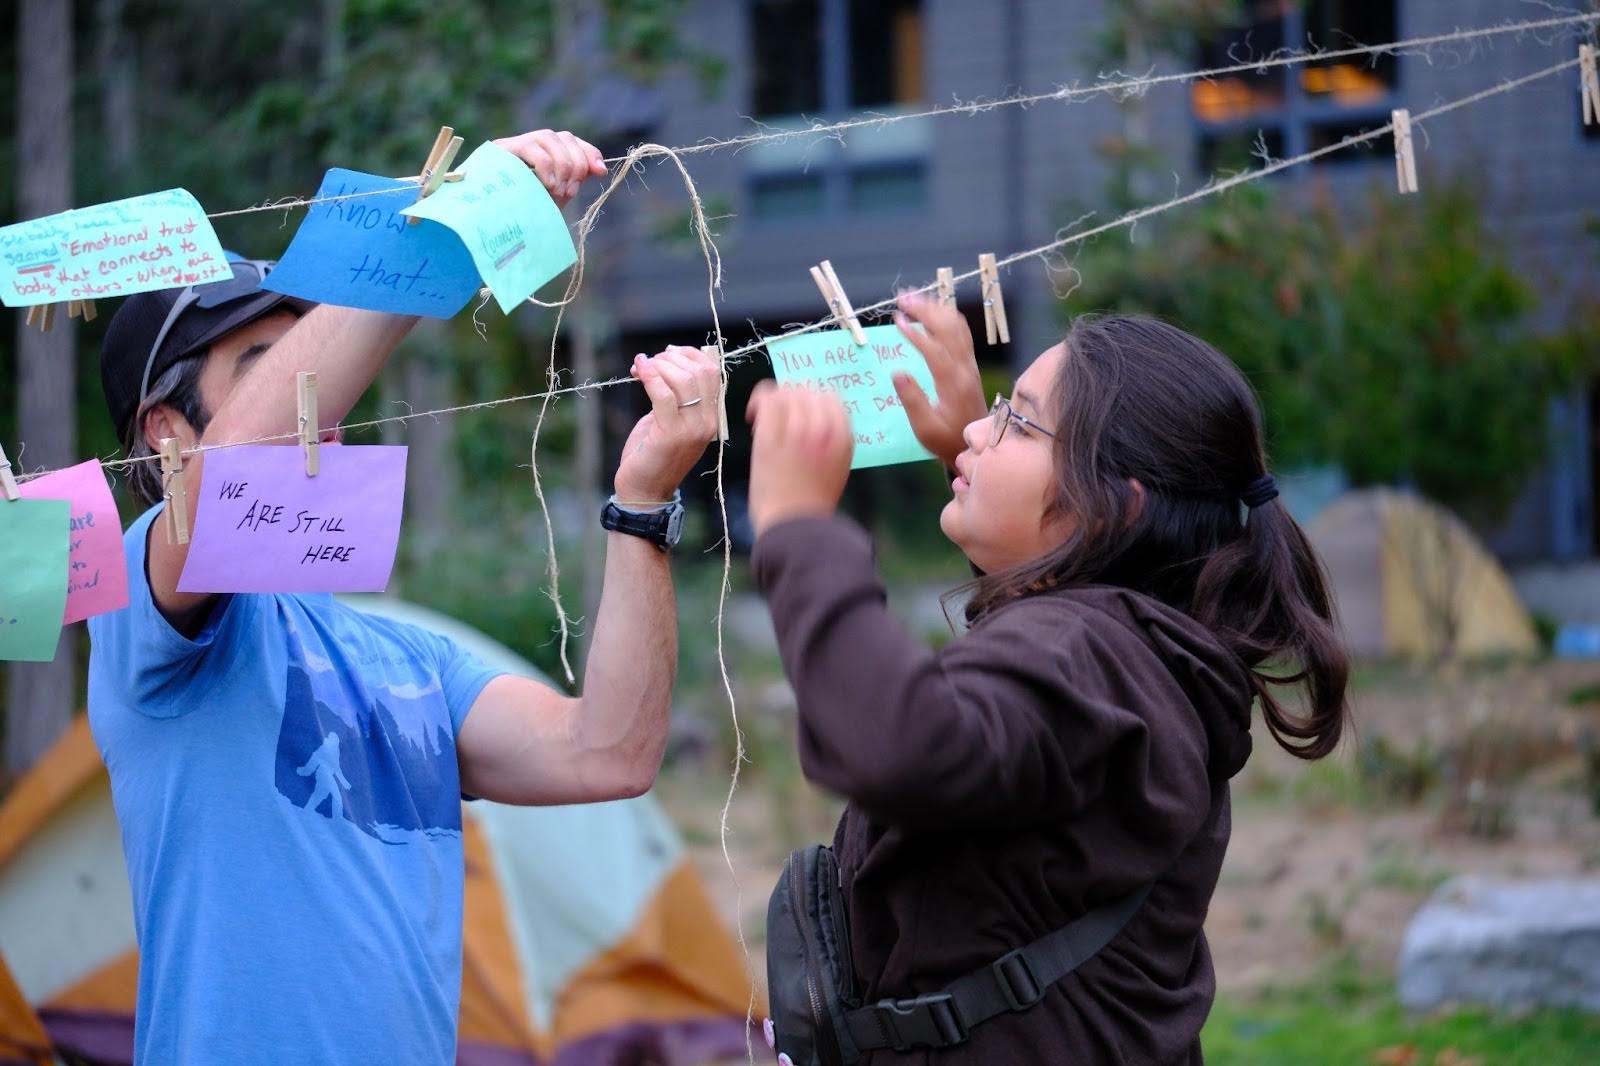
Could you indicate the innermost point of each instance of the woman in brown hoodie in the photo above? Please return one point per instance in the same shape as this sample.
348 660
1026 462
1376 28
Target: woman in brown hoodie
1139 589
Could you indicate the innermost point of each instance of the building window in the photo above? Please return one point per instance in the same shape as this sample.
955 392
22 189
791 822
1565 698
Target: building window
823 61
1294 109
778 196
885 53
787 57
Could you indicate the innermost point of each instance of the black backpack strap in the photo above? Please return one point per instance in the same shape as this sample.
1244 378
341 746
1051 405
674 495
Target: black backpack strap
1013 982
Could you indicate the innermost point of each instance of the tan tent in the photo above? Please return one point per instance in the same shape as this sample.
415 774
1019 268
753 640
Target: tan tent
1412 580
589 938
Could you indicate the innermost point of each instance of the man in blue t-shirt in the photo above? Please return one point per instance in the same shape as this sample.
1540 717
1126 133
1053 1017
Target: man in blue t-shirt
288 772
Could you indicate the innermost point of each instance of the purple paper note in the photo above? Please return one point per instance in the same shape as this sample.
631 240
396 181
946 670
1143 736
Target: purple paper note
97 567
262 525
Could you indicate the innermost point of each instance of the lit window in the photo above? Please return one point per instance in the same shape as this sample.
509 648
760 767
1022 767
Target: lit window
1290 110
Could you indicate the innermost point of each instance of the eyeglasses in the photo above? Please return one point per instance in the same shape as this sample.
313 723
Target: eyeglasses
1002 415
245 282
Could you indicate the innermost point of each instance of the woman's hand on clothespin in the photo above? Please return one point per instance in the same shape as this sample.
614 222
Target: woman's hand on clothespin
945 342
562 161
801 458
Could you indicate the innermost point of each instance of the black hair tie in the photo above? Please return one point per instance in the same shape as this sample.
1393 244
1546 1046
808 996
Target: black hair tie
1263 490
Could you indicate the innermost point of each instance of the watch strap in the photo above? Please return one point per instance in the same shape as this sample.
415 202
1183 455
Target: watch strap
660 526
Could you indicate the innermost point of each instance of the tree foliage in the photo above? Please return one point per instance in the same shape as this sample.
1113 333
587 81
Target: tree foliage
1397 341
252 100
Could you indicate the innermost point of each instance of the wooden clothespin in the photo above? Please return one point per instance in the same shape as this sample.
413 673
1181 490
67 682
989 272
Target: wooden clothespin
722 393
8 484
42 315
994 304
1405 155
174 491
1589 82
946 290
828 283
83 309
437 169
306 400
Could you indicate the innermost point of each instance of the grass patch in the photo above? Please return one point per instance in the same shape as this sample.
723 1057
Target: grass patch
1327 785
1397 872
1311 1027
1584 695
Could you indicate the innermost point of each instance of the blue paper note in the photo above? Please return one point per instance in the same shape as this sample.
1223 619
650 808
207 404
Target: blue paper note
506 218
362 253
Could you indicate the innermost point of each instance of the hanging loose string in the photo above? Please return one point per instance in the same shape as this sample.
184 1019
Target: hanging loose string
552 565
741 354
1122 88
713 260
552 373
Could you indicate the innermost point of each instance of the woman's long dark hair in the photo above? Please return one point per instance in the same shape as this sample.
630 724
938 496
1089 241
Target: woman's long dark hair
1139 400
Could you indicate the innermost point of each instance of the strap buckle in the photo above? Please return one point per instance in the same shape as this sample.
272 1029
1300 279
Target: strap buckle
1018 983
931 1020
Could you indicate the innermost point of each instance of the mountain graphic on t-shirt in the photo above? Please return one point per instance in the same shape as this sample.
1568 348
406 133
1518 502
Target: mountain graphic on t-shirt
385 763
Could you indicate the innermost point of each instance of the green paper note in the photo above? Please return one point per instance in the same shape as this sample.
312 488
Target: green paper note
33 594
863 379
515 233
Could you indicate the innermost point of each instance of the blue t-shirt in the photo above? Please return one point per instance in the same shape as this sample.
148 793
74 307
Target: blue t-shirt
290 805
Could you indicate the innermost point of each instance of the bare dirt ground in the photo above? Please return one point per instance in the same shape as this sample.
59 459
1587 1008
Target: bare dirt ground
1455 770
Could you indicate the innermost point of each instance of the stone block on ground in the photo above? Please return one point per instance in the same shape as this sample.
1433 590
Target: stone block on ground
1509 945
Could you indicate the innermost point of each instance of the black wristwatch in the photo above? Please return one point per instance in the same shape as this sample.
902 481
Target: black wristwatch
661 527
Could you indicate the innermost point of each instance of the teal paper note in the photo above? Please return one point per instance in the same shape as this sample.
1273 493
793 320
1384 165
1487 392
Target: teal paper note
863 379
161 240
33 595
515 233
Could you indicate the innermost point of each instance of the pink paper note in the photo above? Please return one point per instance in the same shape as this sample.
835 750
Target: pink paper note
97 567
262 525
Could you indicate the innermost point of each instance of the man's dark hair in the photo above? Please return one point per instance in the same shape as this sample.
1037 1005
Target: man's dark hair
179 388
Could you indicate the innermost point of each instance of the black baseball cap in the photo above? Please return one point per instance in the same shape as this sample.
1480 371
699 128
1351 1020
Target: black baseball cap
210 312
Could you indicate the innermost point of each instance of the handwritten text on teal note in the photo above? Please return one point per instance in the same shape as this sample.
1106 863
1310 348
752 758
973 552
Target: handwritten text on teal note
514 231
862 376
161 240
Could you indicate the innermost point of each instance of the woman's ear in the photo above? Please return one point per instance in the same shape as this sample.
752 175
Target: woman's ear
1136 502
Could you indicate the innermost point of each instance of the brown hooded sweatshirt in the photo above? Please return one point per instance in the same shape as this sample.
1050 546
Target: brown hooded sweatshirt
1071 747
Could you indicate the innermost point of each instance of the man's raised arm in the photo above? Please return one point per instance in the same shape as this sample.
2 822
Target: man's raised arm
522 741
347 348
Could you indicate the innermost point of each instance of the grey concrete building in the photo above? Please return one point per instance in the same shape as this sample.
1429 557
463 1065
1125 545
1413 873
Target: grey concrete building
889 205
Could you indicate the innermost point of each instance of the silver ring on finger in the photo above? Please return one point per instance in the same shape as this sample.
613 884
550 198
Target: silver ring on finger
690 403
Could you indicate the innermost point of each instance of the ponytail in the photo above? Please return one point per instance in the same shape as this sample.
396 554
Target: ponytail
1266 597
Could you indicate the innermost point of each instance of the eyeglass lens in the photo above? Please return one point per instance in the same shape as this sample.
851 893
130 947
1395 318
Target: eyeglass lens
998 417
